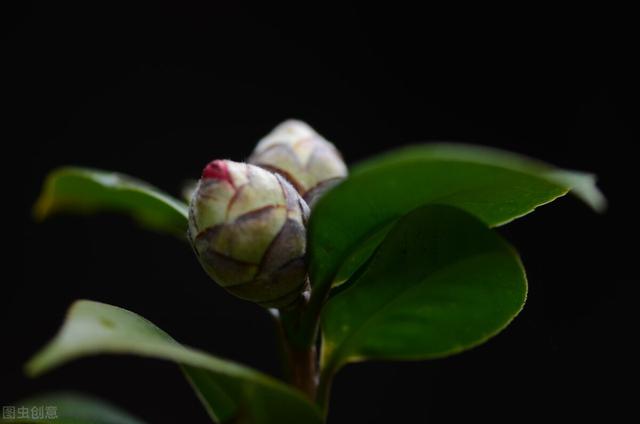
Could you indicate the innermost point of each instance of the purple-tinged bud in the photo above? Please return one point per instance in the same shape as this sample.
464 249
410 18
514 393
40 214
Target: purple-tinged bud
308 161
247 227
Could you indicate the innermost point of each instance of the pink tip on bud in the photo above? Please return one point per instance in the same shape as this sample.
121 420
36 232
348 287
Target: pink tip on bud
217 170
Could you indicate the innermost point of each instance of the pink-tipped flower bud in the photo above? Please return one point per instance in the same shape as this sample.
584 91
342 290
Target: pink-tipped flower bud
247 227
308 161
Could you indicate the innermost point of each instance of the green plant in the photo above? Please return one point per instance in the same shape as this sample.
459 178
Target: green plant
402 261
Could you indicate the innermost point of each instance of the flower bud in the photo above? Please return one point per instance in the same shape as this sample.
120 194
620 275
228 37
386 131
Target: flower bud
247 227
308 161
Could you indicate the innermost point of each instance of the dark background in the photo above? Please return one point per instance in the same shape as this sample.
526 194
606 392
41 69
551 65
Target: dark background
157 90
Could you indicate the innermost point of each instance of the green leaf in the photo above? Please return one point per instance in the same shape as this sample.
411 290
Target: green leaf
441 282
229 391
84 190
69 408
495 186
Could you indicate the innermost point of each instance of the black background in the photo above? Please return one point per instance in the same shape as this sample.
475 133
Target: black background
157 90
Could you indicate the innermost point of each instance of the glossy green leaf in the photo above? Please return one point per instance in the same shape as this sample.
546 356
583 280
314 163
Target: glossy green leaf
495 186
67 408
229 391
440 282
83 190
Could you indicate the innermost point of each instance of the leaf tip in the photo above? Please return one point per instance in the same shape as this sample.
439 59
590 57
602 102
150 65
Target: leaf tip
41 208
45 203
48 356
34 366
587 190
584 186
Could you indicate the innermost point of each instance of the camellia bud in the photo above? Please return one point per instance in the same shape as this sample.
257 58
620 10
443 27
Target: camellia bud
247 226
308 161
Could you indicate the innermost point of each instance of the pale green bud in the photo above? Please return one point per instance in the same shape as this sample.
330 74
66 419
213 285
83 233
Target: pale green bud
308 161
247 227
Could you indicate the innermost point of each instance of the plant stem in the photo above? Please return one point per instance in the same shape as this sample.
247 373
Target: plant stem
304 370
301 358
